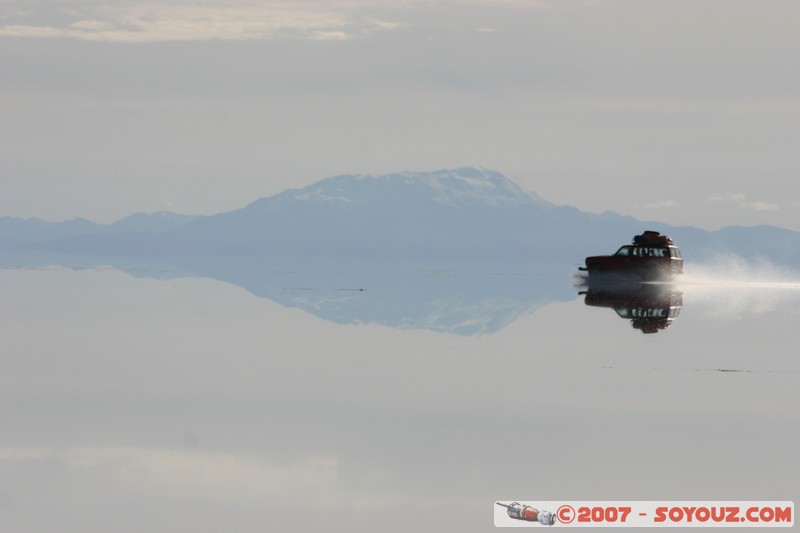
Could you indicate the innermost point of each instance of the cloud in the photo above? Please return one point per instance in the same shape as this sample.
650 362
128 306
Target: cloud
661 205
330 35
740 200
137 23
386 25
217 475
184 20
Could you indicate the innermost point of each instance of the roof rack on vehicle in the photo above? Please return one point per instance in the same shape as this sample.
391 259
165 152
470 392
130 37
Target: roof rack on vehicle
652 238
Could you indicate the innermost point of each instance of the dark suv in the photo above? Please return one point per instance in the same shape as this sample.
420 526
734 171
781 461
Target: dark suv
650 256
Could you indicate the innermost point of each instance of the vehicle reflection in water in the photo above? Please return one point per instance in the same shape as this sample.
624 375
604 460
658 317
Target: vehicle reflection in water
650 307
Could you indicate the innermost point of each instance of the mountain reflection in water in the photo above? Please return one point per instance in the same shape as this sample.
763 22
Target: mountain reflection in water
474 300
650 307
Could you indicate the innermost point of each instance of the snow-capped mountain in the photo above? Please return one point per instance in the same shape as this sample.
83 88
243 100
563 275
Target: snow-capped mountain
462 187
466 213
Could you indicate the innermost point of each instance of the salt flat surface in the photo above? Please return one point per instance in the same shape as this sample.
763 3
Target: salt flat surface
189 404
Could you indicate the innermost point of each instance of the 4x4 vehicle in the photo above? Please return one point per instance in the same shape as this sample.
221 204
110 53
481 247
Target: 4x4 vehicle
650 256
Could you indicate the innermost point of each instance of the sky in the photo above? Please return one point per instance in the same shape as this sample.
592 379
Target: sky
686 112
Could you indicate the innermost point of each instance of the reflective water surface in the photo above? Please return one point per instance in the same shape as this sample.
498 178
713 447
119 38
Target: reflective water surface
370 398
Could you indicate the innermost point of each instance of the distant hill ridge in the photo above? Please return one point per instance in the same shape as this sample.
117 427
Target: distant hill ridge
463 214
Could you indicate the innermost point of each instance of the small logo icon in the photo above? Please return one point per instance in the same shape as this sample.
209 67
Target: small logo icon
565 514
518 511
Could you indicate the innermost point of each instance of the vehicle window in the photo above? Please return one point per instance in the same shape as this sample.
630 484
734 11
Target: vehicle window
625 250
650 252
649 312
645 252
